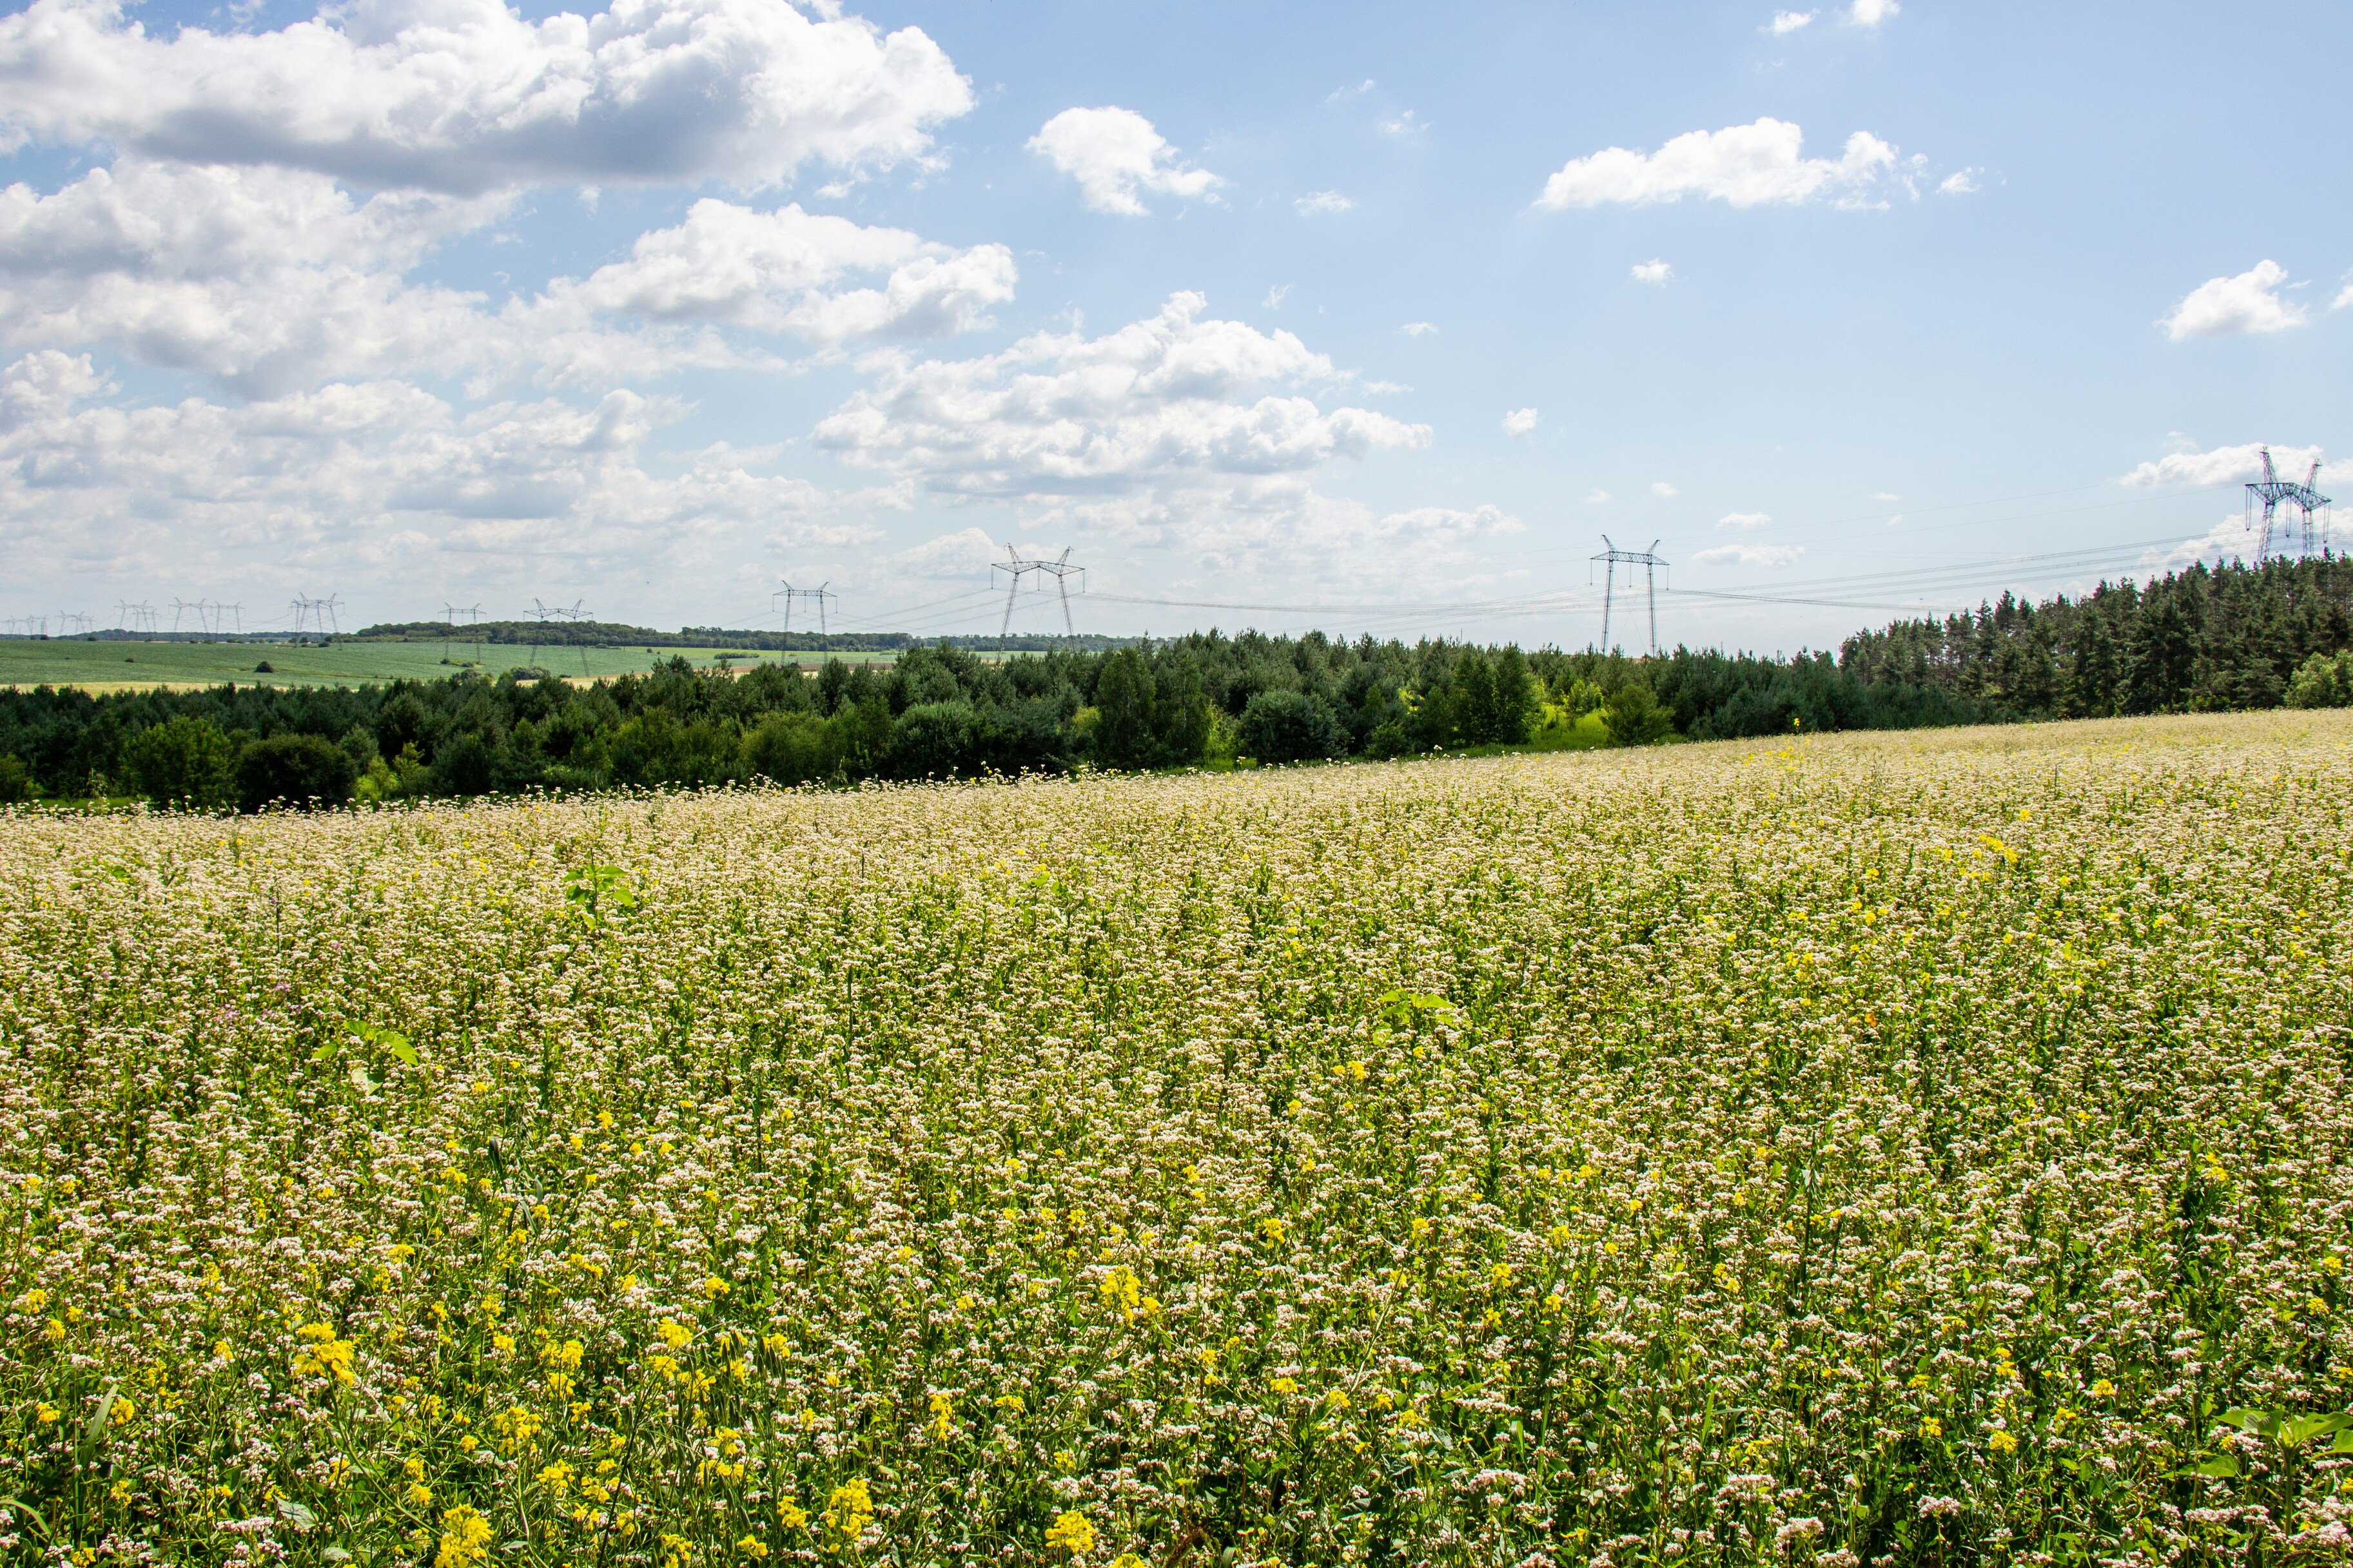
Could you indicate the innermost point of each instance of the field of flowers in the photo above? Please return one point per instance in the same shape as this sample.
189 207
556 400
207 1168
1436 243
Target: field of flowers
1896 1149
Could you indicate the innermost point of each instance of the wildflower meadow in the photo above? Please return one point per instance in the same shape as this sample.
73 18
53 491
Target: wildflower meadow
1929 1147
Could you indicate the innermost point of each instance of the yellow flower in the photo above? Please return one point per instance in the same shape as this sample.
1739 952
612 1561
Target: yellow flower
1070 1533
2002 1442
791 1514
850 1511
752 1546
1932 1428
419 1494
465 1539
45 1413
2104 1389
673 1333
33 1300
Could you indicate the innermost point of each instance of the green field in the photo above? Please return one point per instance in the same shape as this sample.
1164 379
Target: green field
1923 1148
126 666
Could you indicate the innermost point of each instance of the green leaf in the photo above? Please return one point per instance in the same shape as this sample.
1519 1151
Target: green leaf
2228 1465
95 1430
2295 1434
325 1053
2344 1444
2247 1420
396 1042
335 1555
295 1514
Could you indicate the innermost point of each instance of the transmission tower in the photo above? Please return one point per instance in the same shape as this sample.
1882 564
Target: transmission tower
821 593
237 610
1649 561
2301 499
1060 569
576 615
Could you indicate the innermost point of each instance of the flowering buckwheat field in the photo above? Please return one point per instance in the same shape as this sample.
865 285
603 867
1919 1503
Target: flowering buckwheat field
1889 1148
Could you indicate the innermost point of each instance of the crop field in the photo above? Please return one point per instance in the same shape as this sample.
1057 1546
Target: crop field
135 666
1915 1148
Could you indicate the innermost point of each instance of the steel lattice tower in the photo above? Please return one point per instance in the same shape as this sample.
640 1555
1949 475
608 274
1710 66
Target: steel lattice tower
2273 492
1649 561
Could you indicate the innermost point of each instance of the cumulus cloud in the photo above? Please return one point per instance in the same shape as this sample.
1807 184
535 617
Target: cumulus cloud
1596 497
1745 166
1519 421
273 280
1417 329
2343 298
266 279
1653 271
466 96
2249 303
1748 554
378 475
1960 183
1787 22
2233 466
2228 539
1178 427
1744 519
1115 154
1322 202
966 553
770 271
1662 490
1871 12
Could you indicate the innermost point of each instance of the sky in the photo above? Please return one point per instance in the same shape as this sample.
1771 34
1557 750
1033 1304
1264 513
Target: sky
1375 318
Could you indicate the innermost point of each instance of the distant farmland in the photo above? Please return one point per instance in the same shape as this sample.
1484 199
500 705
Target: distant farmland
127 666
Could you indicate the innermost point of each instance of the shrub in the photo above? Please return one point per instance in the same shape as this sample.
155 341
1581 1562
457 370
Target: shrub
15 780
790 748
1290 727
1634 717
2324 681
294 769
181 760
941 738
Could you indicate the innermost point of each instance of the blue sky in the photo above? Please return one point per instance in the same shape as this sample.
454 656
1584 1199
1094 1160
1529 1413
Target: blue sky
1373 318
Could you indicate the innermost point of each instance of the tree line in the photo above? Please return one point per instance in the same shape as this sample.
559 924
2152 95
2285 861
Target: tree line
2234 637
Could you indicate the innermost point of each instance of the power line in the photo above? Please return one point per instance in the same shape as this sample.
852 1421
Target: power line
1016 567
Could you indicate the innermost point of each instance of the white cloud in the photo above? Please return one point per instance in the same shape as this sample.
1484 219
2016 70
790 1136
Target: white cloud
2233 465
1787 22
1871 12
1519 421
271 280
467 96
1961 182
1418 329
964 554
1342 94
1744 519
1274 296
380 477
1406 124
2343 298
768 272
2249 303
1662 490
1113 154
1886 495
1174 428
1596 497
1745 166
2228 539
1653 271
1322 202
1749 555
267 279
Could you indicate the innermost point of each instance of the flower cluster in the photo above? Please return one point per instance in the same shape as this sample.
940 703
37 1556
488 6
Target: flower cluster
1857 1150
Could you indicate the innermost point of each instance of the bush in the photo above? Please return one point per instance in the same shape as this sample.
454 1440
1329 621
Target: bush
1290 727
182 761
2324 681
294 769
1634 717
941 738
790 748
15 780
